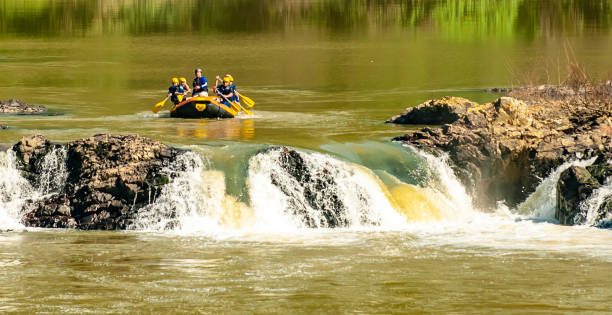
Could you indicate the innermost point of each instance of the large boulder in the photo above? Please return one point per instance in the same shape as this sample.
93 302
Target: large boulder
109 178
15 106
575 185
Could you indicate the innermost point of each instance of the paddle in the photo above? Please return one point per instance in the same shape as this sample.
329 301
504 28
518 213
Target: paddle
247 101
159 105
248 112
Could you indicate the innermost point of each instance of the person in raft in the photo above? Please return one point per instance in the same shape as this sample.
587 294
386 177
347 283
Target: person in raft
173 91
200 85
226 91
184 88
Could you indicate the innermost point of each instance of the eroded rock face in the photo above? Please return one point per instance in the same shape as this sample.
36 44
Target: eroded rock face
15 106
501 150
434 112
109 178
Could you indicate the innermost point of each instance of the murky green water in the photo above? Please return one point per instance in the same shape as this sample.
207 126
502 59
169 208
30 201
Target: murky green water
325 76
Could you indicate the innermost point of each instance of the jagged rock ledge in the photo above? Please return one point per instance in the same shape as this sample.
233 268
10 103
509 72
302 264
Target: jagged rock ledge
501 150
15 106
109 178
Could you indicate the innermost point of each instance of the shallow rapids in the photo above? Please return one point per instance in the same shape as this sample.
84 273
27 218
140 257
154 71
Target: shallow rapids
243 231
266 199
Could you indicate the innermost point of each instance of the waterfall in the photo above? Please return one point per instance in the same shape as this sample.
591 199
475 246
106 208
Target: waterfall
194 200
590 207
543 201
327 193
53 171
14 191
443 180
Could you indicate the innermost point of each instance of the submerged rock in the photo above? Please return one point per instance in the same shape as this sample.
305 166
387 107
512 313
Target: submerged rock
501 150
15 106
109 177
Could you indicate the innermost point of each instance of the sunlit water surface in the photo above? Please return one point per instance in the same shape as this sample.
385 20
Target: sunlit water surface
325 76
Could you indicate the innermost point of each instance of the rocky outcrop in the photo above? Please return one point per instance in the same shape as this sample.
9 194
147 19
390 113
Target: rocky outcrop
109 178
502 149
3 127
434 112
15 106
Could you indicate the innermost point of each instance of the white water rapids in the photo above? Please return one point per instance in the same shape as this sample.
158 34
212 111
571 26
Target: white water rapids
196 202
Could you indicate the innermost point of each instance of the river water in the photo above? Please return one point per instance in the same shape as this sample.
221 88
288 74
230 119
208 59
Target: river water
325 76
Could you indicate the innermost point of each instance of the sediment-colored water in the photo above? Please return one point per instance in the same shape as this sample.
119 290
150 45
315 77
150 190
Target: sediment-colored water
325 76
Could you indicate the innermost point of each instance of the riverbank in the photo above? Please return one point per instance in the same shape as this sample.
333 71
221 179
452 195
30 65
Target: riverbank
503 149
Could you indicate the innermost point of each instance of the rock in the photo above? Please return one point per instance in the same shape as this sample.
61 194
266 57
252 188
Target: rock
601 169
15 106
317 201
30 152
434 112
319 191
110 177
501 150
575 185
3 127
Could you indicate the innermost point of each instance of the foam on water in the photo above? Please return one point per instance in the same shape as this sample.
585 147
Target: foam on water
54 172
360 193
438 213
590 207
14 190
194 201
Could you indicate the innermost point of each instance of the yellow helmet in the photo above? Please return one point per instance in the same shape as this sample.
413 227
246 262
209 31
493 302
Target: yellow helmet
229 76
227 79
175 80
183 80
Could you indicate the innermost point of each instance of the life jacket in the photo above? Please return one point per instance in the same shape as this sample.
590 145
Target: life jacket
225 90
202 83
173 97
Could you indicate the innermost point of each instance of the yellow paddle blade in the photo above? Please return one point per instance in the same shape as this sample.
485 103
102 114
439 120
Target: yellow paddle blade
159 106
248 112
247 101
180 97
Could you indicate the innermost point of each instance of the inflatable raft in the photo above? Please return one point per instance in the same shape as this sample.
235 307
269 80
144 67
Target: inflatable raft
204 107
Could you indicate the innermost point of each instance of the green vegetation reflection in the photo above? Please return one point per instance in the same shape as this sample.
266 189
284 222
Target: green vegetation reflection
453 18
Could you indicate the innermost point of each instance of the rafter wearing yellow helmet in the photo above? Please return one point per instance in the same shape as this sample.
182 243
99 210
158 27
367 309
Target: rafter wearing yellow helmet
173 91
